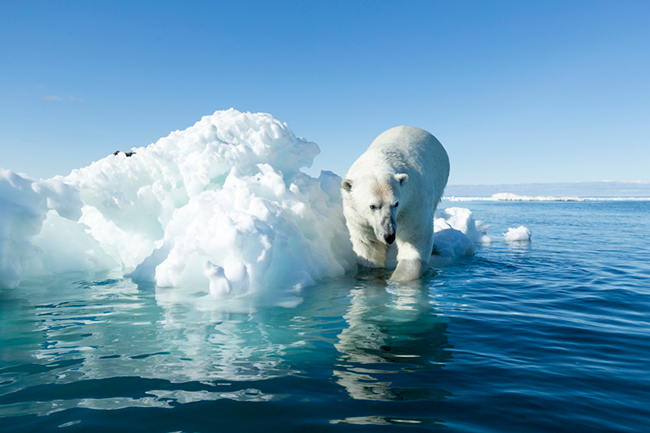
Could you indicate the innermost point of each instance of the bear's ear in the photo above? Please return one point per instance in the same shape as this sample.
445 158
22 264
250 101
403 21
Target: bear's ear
346 184
402 178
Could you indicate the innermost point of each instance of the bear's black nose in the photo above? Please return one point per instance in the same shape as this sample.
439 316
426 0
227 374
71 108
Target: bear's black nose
389 239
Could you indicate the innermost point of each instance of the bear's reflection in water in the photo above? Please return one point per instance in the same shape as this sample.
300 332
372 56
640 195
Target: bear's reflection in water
394 330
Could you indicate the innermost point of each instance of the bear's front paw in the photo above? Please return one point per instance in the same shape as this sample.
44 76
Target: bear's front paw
408 270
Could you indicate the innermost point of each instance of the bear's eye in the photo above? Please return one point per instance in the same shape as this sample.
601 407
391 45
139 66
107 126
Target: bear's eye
396 204
373 207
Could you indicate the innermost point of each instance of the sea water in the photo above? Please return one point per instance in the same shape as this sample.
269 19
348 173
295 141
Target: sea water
546 335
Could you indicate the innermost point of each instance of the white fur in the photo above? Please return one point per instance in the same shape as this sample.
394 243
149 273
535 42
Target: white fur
392 190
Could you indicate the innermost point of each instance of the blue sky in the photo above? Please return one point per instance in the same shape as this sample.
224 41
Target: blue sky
517 91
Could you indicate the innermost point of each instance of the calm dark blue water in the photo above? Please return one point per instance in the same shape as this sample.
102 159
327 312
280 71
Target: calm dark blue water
547 336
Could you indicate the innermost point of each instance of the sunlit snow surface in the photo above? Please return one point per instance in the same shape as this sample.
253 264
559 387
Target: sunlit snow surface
219 210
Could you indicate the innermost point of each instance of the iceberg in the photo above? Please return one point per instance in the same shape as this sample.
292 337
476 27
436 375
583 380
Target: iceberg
221 209
222 206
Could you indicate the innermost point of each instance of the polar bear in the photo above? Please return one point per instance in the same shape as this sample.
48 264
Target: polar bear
390 195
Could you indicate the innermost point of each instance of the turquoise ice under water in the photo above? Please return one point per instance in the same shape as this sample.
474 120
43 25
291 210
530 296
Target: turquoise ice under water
548 336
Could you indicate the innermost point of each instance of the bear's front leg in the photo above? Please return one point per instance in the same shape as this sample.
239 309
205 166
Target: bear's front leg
409 270
412 259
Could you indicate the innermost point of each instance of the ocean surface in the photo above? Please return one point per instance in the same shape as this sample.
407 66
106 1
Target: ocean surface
551 335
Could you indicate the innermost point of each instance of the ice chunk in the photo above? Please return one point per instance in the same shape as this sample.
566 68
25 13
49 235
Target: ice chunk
451 243
456 233
462 220
518 234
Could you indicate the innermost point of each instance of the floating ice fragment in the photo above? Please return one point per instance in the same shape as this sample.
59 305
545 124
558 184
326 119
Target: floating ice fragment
462 220
519 234
456 233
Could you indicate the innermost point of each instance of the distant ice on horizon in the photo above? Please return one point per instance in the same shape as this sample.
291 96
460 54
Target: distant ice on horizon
586 190
507 196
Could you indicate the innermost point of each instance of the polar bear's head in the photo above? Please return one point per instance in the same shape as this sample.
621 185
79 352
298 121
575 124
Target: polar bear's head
376 202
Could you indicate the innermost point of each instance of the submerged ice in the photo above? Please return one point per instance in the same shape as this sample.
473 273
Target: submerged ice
220 208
